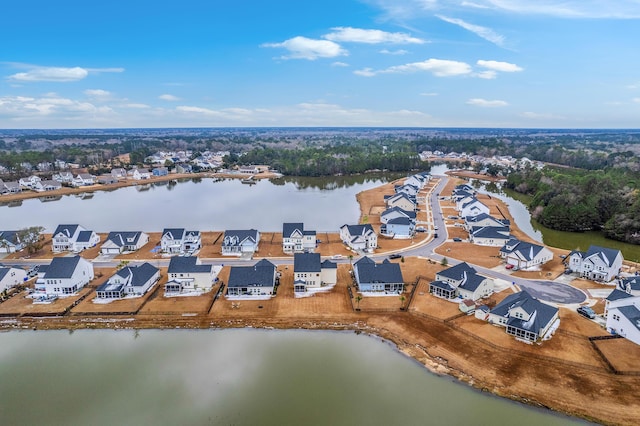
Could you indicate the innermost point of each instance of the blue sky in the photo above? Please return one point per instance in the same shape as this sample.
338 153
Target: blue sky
425 63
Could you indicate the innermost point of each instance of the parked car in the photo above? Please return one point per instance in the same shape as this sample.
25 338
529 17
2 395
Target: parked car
421 229
33 271
395 256
457 240
509 266
337 256
435 235
586 311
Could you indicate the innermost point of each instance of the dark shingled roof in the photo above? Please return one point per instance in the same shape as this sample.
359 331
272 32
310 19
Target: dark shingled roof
327 264
617 295
385 272
187 264
140 275
84 236
121 239
241 234
632 313
289 228
458 271
173 233
359 229
62 267
306 262
259 275
541 313
67 230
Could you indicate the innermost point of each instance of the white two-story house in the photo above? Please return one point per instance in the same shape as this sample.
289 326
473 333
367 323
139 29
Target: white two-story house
73 238
239 242
597 263
359 237
295 239
64 276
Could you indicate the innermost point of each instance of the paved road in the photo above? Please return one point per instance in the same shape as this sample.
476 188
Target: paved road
550 291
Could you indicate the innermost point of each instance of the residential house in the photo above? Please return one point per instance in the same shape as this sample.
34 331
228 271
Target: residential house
73 238
47 185
419 179
106 180
249 170
257 281
473 207
83 179
11 277
524 255
29 182
178 240
129 281
160 171
139 174
361 238
629 285
119 173
239 242
382 278
485 220
597 263
188 274
615 295
402 201
396 212
461 281
398 227
184 168
119 242
11 187
295 239
489 236
408 189
623 318
309 272
10 242
65 276
65 178
524 316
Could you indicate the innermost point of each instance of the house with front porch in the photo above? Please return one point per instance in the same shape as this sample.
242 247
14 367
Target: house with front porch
489 236
524 255
623 318
73 238
361 238
139 174
395 212
124 241
29 182
398 228
310 273
461 281
597 263
524 316
129 281
239 242
179 240
10 242
295 239
187 274
383 278
257 281
11 277
64 276
11 187
65 178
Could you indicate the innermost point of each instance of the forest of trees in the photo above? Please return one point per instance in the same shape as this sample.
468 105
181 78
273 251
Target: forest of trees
578 200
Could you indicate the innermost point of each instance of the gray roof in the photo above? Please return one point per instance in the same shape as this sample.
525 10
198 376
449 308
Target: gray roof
617 295
84 236
632 313
140 275
259 275
173 233
289 228
3 271
62 267
68 230
442 285
541 313
632 282
491 232
327 264
9 236
528 250
121 239
458 271
406 213
385 272
187 264
306 262
359 229
608 255
400 221
242 234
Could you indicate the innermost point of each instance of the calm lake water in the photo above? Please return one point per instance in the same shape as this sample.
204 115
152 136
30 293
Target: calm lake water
233 377
323 204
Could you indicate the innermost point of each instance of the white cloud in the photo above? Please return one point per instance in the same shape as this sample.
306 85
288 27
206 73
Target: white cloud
394 52
637 100
339 64
135 106
486 103
98 94
574 9
359 35
438 67
25 108
483 32
311 49
169 98
499 66
55 74
487 75
541 116
428 94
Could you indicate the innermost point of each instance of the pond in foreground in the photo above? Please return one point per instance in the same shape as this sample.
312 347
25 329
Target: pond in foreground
240 376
